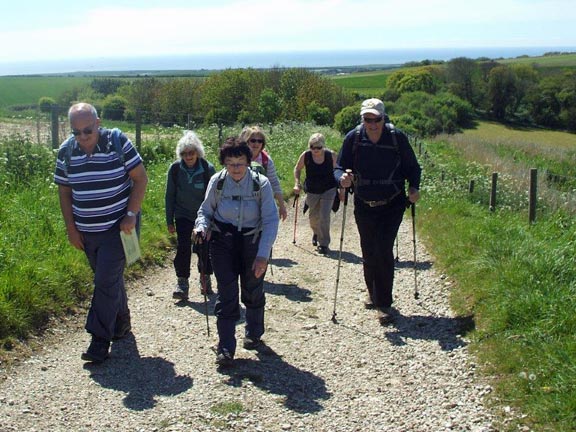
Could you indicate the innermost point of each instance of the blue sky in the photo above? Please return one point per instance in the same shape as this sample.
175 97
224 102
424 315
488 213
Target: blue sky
39 29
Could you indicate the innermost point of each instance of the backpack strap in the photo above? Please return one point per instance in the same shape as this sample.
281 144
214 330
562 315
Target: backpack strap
173 171
69 148
207 175
115 138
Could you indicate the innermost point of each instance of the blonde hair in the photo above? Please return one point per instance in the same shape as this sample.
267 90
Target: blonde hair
317 139
249 131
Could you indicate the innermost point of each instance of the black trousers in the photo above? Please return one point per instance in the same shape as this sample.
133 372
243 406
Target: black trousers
184 249
378 227
232 255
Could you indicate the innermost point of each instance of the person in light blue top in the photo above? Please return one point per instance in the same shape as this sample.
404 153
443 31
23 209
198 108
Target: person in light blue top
240 220
186 184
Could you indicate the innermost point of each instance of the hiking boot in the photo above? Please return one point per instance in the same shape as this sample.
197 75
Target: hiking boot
323 250
251 343
97 352
224 358
208 285
314 240
122 327
385 316
181 291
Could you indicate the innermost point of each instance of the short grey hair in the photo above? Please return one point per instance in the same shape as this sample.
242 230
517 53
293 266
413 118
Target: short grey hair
82 108
189 141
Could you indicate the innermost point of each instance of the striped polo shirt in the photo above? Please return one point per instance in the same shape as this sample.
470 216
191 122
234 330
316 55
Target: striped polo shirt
100 182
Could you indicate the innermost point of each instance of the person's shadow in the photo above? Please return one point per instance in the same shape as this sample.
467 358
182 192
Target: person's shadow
141 378
301 390
447 331
290 291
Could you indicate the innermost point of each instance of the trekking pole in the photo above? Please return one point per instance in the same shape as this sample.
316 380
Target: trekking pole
397 255
413 211
270 264
295 204
340 254
203 258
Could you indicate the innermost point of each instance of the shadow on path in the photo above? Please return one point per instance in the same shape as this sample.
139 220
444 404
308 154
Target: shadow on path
301 390
447 331
141 378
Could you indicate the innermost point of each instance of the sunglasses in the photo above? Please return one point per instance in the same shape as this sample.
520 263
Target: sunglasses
235 165
85 131
316 148
256 140
373 119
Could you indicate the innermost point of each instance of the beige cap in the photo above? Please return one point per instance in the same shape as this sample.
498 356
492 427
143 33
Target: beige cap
372 106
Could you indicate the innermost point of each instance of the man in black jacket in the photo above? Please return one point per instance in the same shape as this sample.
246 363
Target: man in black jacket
376 159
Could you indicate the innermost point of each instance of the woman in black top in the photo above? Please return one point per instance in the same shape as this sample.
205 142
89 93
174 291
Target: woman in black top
320 187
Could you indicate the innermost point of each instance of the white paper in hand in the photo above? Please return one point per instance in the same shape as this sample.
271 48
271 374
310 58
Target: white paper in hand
131 246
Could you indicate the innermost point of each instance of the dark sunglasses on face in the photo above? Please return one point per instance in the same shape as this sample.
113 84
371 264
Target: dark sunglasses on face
85 131
256 140
316 148
373 120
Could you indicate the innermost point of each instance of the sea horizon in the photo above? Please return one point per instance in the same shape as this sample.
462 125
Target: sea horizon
258 60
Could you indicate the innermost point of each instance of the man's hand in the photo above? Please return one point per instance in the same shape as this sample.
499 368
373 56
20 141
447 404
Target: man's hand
75 238
413 195
128 223
347 179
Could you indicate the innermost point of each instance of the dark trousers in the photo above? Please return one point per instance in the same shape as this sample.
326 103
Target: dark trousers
109 301
232 256
184 248
378 227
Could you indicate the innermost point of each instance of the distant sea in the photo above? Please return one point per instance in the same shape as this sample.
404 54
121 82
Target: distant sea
308 59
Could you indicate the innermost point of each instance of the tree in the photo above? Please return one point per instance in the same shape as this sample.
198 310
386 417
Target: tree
463 75
45 104
426 79
269 106
113 107
347 118
106 86
502 92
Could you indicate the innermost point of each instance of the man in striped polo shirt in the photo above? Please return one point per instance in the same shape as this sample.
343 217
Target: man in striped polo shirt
101 194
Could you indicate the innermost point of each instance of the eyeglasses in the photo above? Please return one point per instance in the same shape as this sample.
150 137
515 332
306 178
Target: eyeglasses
316 148
188 153
235 165
256 141
372 120
85 131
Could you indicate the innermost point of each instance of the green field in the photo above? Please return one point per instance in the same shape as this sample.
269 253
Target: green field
373 83
555 61
27 90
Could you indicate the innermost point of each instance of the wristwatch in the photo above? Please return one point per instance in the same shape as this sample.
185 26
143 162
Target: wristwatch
130 213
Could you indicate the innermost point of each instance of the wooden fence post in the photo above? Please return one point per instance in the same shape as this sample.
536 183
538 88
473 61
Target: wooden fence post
493 191
533 198
138 129
471 186
54 124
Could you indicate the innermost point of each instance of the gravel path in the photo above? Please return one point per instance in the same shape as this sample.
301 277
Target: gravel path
313 374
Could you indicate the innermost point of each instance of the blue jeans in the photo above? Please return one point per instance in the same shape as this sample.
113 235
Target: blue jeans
232 255
109 300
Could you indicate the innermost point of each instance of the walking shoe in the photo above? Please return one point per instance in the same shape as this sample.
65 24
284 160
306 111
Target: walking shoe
224 358
385 316
181 291
323 250
314 240
122 327
208 285
251 343
97 352
368 304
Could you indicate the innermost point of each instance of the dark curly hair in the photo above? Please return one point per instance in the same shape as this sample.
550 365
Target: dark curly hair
234 147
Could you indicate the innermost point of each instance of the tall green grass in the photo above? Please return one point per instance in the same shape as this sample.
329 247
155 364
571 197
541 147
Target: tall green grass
517 280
